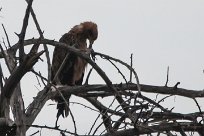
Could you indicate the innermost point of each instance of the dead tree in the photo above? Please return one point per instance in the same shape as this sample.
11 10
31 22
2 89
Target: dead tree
135 114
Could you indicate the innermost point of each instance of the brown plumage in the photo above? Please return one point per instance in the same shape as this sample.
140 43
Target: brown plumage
73 70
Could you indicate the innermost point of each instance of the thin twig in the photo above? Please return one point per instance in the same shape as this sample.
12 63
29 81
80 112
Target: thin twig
1 79
123 63
131 59
167 77
8 59
35 133
38 80
119 71
4 43
6 36
74 122
85 106
39 75
198 108
52 128
94 124
87 78
60 68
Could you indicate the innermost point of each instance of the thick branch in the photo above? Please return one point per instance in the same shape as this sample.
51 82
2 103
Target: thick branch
15 78
103 90
35 107
160 128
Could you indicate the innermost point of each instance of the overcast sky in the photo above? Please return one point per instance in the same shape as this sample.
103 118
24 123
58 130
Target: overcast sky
159 33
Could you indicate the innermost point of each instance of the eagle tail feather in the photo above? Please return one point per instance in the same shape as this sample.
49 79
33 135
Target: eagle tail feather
63 108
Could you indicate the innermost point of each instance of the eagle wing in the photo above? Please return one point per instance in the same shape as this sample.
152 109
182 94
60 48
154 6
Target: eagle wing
67 74
64 76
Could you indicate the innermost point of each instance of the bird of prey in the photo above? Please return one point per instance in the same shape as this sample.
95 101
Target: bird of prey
73 68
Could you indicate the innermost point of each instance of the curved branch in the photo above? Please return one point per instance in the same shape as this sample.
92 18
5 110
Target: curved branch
123 63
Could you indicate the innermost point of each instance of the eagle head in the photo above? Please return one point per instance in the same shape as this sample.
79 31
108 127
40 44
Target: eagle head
89 31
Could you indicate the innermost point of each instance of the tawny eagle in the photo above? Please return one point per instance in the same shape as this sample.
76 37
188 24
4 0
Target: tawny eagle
73 69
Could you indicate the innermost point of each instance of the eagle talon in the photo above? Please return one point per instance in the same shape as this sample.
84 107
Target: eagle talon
54 88
93 56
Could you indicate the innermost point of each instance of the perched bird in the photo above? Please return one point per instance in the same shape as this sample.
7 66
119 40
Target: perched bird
72 71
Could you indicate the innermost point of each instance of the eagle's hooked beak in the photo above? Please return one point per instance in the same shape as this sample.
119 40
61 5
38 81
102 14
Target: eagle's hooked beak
91 50
91 43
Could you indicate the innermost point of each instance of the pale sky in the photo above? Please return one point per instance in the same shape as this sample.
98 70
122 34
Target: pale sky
159 33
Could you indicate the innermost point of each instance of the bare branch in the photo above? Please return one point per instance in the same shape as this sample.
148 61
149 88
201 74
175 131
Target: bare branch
52 128
119 71
6 36
167 76
15 78
131 59
23 32
87 78
123 63
44 45
103 90
160 128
